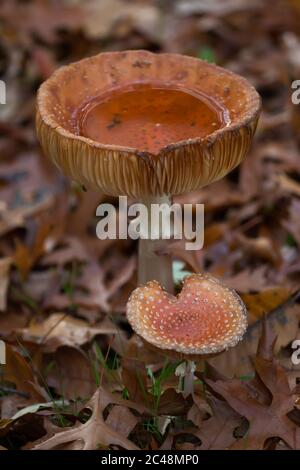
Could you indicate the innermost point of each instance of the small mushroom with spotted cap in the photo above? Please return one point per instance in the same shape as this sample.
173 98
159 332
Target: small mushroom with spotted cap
152 177
205 319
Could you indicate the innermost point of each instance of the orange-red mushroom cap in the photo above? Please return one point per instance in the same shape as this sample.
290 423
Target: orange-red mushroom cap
205 318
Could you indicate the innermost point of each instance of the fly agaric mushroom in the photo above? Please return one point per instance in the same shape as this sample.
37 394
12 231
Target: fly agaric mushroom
205 319
198 120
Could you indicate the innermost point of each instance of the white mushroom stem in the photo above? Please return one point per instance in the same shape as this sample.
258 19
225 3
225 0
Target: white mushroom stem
186 373
152 266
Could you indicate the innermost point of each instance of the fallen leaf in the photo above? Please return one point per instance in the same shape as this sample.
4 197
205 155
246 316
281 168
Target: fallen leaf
264 401
292 223
199 411
217 432
11 219
283 321
288 184
264 302
261 247
71 373
36 407
215 7
121 420
18 371
70 249
26 256
106 16
249 280
42 19
5 264
134 377
62 330
172 403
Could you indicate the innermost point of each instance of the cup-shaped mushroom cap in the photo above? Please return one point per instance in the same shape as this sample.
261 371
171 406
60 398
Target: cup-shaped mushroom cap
177 168
206 318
